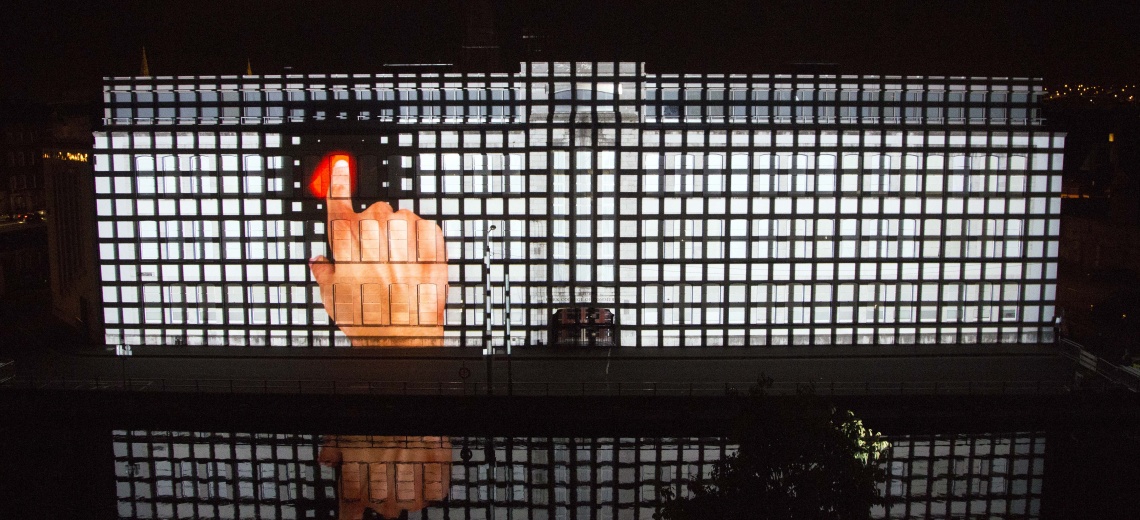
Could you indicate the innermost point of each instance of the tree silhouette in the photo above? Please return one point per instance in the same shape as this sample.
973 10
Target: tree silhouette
799 457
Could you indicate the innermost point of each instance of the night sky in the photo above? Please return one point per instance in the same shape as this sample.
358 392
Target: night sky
52 48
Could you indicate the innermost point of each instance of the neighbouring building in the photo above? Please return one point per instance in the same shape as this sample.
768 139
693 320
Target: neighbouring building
70 199
21 181
22 254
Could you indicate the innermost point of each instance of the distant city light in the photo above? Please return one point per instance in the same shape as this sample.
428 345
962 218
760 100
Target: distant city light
1096 94
66 156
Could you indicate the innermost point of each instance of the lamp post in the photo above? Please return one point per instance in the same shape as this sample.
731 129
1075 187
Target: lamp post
488 349
122 351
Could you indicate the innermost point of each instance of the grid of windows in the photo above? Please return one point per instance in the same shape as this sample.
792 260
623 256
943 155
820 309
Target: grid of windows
210 475
702 209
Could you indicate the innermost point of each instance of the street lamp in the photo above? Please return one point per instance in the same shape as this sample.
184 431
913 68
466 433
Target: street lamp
488 349
122 351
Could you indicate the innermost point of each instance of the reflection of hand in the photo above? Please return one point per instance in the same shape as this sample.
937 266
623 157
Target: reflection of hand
388 285
388 474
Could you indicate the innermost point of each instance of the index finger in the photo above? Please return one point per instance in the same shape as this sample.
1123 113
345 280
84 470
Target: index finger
339 196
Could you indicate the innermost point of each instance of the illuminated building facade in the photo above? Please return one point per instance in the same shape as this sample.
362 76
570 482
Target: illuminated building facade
715 209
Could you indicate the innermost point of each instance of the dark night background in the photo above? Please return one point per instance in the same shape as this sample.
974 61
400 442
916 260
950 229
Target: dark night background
63 48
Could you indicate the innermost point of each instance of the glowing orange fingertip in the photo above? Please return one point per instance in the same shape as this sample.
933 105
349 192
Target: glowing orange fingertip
320 179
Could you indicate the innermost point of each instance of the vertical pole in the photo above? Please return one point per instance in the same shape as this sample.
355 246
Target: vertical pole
488 351
507 333
507 304
489 452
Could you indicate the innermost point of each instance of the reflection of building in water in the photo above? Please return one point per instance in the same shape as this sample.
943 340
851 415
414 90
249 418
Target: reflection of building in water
964 476
570 478
221 475
176 475
388 474
704 209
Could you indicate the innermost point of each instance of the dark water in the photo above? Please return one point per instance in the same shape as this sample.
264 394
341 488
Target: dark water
61 467
165 474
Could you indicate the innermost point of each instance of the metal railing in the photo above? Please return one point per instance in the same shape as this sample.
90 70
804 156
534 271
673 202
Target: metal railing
7 370
543 389
1111 372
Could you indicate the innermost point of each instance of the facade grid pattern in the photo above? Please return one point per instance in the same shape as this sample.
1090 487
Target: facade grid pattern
703 209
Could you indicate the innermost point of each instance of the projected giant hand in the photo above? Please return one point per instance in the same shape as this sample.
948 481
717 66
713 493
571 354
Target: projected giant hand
386 285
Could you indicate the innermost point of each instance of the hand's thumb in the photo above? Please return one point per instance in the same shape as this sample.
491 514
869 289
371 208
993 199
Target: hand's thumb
323 269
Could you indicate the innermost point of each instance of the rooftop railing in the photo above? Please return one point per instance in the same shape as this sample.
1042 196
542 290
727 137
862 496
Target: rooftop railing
1127 377
7 370
542 389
